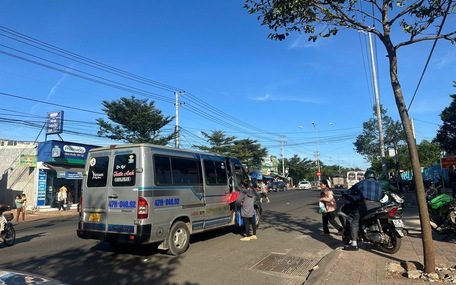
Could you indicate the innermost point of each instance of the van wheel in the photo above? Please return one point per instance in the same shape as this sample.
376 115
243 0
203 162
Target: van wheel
178 238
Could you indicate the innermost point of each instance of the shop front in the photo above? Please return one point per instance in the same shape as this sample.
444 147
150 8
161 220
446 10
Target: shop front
60 164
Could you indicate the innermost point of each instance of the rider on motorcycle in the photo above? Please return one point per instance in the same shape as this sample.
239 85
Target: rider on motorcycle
386 186
2 219
370 192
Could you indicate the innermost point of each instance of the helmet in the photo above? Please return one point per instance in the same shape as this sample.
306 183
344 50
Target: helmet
369 174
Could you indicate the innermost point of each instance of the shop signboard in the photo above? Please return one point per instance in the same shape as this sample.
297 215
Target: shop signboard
448 161
63 152
28 160
41 195
54 122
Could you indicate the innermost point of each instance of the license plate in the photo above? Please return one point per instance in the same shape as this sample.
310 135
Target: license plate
94 217
398 223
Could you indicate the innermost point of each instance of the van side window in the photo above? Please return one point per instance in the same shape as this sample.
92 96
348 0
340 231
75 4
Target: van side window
240 175
98 172
162 171
124 172
185 171
177 171
215 172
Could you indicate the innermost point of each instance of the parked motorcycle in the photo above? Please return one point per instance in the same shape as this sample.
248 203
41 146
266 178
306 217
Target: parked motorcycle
381 226
8 234
442 213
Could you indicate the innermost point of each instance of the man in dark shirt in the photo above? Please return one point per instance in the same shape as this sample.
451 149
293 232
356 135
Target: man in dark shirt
371 192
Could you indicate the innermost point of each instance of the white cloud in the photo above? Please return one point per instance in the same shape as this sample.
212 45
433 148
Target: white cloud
446 60
303 42
269 97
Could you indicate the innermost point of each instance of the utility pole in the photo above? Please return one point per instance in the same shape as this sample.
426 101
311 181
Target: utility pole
316 152
379 115
176 130
283 140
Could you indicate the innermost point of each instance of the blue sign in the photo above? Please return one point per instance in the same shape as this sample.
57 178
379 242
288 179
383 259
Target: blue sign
63 152
41 195
54 122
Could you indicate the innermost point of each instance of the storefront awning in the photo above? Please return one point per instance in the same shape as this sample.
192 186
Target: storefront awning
66 172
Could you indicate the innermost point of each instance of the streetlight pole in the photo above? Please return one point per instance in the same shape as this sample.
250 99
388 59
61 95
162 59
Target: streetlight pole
338 158
316 152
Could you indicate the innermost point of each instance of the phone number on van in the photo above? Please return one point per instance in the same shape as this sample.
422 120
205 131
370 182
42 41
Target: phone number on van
122 204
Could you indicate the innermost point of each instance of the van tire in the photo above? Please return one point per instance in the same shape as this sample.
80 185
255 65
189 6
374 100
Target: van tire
178 238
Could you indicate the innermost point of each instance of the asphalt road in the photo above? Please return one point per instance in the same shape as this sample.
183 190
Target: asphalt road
288 246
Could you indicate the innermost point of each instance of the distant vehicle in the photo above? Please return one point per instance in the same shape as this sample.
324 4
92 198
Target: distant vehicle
304 185
338 181
351 179
360 175
277 186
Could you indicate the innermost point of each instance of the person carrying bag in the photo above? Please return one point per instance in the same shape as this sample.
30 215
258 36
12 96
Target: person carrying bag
328 208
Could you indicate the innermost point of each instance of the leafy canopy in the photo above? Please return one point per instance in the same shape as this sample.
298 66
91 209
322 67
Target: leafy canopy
446 135
322 18
367 143
248 151
218 141
134 121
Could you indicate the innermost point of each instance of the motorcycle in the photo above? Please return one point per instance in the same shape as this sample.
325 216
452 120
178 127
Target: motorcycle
8 234
381 226
442 213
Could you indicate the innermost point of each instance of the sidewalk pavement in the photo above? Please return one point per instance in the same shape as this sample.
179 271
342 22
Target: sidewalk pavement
371 266
45 213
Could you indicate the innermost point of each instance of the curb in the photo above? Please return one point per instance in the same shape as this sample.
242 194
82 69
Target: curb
319 274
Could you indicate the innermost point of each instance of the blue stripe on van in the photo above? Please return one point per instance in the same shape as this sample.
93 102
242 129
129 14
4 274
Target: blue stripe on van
155 188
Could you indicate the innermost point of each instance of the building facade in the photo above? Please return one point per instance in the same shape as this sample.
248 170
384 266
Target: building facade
40 169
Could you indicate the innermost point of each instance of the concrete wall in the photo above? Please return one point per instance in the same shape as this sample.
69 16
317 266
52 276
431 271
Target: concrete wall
16 179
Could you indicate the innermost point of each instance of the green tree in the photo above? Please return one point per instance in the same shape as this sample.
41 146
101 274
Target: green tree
298 168
429 153
419 20
218 141
367 144
446 135
135 121
249 152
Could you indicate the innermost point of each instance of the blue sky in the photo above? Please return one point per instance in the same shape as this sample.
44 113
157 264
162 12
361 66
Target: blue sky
235 79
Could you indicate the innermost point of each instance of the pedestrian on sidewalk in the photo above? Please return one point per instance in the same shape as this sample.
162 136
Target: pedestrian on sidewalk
247 200
61 197
327 197
263 192
20 208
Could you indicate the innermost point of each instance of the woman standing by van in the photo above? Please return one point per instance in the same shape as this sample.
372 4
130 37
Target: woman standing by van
247 200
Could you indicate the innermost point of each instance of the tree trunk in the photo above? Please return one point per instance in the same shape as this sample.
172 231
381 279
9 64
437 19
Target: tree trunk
428 243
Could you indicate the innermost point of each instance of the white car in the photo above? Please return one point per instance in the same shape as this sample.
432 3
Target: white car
304 185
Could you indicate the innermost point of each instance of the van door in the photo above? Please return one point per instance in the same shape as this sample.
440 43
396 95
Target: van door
216 192
122 196
109 198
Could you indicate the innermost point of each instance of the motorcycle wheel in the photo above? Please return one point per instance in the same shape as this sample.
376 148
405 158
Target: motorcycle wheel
394 241
10 235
